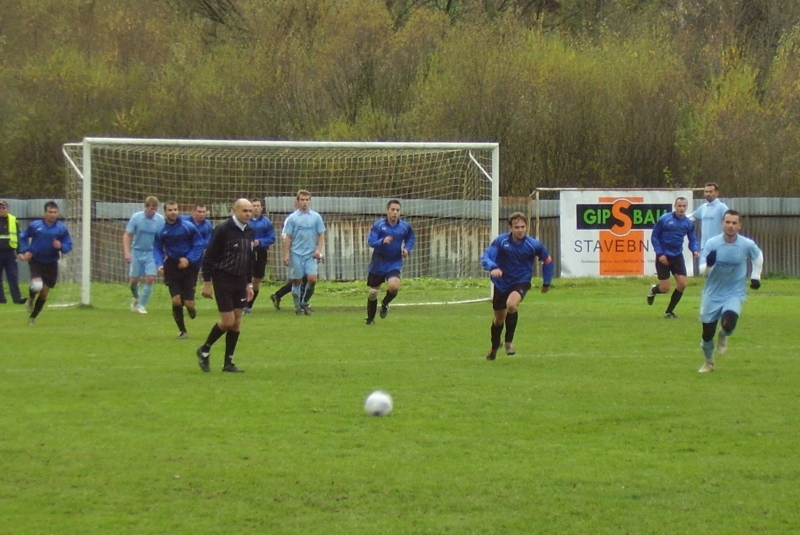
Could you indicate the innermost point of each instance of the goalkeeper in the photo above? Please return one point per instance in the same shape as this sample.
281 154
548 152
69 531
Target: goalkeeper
509 260
391 240
724 292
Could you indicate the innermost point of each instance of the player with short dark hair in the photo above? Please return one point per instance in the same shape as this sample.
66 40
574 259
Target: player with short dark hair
264 234
228 266
509 260
391 239
41 245
198 219
710 215
667 238
724 292
178 251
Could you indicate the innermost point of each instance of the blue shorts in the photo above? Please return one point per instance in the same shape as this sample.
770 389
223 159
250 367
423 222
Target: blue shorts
302 265
711 311
142 264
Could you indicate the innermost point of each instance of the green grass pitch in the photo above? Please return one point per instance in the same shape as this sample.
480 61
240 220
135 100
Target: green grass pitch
599 424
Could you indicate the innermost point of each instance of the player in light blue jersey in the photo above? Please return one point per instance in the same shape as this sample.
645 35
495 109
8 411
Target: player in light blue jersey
724 292
304 239
137 245
391 240
509 260
710 215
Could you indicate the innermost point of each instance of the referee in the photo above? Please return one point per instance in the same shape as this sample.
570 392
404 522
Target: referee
228 264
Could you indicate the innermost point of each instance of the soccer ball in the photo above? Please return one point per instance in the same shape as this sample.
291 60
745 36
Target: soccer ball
379 403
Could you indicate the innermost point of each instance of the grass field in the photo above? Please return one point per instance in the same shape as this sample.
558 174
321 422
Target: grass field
599 424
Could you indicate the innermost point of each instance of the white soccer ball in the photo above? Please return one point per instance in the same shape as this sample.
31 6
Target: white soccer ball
379 403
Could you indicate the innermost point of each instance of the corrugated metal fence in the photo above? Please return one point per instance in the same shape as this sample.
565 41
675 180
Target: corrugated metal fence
774 223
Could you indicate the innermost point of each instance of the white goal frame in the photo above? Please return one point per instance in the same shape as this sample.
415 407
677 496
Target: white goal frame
83 169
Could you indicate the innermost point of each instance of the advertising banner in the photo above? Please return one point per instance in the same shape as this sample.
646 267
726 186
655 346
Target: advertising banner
607 232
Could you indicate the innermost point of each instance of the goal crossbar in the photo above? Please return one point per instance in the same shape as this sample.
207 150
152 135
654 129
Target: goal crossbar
450 194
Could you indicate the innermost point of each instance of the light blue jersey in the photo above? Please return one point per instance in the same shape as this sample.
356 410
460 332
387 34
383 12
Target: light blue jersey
144 230
725 287
304 228
710 215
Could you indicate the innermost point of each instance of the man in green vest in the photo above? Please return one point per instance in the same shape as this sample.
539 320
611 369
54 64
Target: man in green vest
9 240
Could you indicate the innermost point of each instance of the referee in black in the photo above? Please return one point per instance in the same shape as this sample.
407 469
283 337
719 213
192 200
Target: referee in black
228 265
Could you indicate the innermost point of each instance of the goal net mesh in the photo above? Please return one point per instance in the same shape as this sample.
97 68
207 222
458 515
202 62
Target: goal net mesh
445 194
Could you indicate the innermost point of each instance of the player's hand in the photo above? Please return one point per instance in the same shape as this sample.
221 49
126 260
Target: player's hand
286 260
663 259
696 254
206 291
183 263
387 240
160 270
711 259
496 273
56 244
128 257
755 284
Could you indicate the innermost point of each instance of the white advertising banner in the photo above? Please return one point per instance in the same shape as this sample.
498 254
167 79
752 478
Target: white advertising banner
607 232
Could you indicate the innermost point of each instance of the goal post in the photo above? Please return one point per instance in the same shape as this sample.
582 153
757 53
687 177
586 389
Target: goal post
450 193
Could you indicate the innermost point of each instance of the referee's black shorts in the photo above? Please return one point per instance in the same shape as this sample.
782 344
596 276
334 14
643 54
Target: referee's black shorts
230 291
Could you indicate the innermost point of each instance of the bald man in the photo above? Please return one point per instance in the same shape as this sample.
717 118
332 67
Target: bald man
228 266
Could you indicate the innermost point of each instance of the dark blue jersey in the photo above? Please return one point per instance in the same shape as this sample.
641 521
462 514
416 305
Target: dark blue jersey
204 228
388 257
263 231
180 239
669 233
38 240
516 259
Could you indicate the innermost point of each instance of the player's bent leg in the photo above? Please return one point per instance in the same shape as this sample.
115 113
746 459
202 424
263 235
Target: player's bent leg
729 321
190 308
728 324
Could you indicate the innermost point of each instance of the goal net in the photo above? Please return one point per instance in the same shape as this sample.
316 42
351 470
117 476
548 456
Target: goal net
449 194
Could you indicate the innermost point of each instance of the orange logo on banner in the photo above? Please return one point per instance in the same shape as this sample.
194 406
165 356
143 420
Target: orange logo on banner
618 255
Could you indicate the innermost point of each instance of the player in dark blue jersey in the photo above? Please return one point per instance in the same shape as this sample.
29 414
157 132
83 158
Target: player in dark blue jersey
509 260
178 251
41 245
203 225
264 237
668 237
391 239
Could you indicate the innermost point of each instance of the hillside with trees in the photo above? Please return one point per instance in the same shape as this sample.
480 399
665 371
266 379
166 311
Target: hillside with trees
579 93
